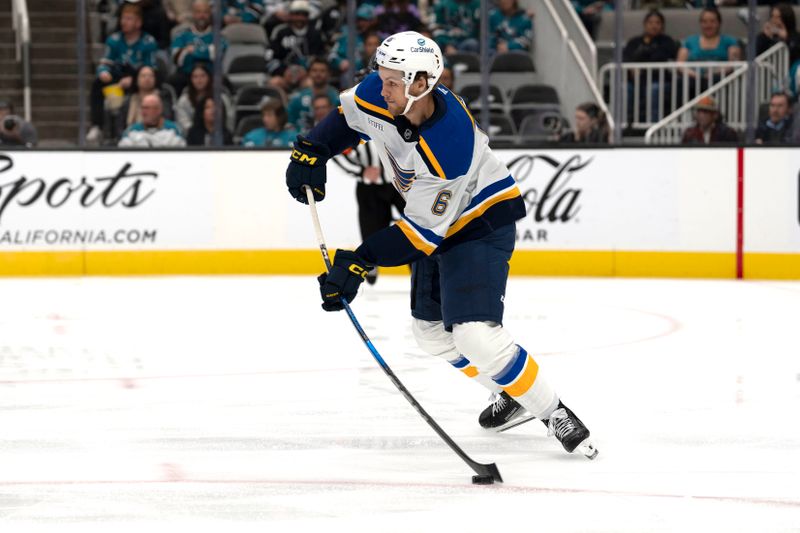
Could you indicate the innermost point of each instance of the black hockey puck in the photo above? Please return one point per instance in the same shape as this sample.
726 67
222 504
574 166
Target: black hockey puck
482 480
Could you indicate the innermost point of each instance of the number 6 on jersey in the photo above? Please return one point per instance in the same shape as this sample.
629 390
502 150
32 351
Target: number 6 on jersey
440 204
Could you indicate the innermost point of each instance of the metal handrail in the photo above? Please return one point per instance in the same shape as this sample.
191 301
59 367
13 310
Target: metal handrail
583 41
728 91
649 82
685 80
22 29
772 73
584 68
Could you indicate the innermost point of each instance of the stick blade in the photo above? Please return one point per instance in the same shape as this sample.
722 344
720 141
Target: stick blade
488 470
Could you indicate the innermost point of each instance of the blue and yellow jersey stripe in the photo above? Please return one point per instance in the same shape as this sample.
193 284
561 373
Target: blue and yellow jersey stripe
520 373
422 239
497 192
463 364
466 110
372 109
430 160
446 146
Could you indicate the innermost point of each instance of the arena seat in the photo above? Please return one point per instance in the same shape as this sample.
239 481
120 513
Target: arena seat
512 62
540 125
472 97
245 33
247 70
501 130
250 98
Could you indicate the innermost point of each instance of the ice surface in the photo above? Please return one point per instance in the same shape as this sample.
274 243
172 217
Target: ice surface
164 404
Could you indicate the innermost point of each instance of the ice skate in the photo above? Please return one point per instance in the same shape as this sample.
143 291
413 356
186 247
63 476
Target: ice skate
504 413
570 431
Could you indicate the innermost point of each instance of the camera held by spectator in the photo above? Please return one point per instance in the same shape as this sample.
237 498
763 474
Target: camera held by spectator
14 130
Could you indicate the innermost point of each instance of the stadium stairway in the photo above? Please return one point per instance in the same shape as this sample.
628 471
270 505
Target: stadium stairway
54 69
10 73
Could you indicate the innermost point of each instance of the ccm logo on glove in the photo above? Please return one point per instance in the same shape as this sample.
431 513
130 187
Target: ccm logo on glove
307 169
347 274
357 270
303 158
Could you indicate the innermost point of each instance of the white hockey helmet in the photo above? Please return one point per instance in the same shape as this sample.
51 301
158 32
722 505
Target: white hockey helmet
410 53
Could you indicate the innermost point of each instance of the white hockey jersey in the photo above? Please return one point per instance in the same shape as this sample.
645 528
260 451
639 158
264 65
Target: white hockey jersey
455 188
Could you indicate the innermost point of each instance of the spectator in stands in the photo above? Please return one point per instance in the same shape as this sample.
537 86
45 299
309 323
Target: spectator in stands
325 15
781 27
321 106
777 128
15 130
456 25
709 127
126 51
178 11
200 87
591 126
394 16
651 47
202 131
249 11
363 63
589 12
274 134
194 44
365 20
294 78
510 28
155 21
300 110
146 81
293 43
709 45
154 130
275 14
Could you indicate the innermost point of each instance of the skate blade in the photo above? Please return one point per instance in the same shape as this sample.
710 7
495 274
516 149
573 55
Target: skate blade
588 449
516 422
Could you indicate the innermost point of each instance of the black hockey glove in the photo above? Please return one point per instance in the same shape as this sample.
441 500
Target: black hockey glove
307 168
347 274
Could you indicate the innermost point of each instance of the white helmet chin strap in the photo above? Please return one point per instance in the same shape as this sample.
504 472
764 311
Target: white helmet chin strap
412 99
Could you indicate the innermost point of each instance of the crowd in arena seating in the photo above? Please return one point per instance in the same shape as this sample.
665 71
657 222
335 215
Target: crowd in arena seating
710 44
285 61
296 52
298 49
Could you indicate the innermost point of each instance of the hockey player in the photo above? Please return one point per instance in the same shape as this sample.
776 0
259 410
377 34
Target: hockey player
457 231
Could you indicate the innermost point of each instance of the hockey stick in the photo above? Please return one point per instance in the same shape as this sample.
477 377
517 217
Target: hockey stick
485 472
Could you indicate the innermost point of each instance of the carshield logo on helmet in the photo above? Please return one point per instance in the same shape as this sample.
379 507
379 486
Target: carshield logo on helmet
422 48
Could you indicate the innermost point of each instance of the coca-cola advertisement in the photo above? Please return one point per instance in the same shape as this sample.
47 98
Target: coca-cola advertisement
611 200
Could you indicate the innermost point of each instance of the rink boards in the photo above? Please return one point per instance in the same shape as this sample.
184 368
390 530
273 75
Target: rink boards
667 212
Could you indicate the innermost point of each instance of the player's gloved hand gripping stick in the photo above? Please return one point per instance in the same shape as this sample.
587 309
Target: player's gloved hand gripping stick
307 169
346 275
485 473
